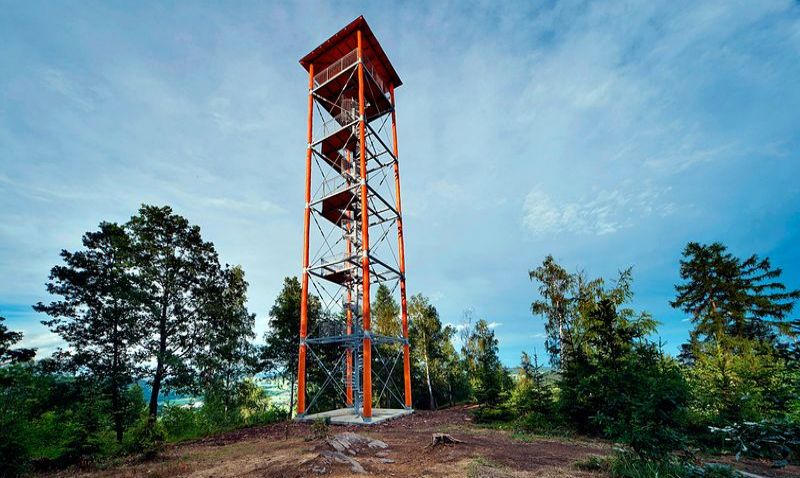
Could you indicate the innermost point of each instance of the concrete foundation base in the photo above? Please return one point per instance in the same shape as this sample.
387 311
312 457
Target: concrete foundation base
348 416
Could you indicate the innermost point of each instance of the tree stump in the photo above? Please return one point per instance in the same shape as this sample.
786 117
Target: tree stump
444 439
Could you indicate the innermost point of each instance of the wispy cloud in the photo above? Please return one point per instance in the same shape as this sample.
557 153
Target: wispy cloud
561 123
597 213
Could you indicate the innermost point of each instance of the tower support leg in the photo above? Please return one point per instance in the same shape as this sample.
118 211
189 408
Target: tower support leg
349 313
402 258
365 304
301 358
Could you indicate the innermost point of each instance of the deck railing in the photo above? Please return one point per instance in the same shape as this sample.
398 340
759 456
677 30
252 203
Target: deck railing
342 64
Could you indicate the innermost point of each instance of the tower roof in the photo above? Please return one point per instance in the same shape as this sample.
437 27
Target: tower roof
344 41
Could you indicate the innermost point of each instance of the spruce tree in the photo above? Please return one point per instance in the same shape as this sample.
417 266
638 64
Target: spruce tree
487 370
727 296
740 311
385 313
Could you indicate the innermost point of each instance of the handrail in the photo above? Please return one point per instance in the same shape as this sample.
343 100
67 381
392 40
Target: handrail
335 184
342 64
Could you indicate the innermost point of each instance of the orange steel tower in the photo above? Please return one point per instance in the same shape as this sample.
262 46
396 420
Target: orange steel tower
352 210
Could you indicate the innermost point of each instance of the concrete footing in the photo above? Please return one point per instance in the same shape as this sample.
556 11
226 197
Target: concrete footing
348 416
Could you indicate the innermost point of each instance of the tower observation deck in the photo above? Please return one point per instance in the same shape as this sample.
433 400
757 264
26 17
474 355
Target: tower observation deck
353 236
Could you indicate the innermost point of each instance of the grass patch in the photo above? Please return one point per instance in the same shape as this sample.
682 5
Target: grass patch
477 468
627 465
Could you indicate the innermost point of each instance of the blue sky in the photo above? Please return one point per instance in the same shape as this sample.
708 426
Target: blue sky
608 134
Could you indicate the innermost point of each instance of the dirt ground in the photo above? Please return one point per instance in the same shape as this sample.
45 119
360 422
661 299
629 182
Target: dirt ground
291 450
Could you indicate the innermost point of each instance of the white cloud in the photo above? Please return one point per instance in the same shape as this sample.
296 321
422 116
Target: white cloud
494 325
597 213
621 113
45 343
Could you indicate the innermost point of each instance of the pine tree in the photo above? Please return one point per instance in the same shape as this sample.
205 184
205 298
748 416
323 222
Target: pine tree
7 340
230 355
282 338
181 276
100 313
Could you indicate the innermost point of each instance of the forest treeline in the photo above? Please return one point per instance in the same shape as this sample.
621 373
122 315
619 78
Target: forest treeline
149 300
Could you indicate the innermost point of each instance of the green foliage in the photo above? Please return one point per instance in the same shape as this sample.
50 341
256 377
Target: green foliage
613 381
99 313
731 297
181 278
50 420
564 299
593 463
145 437
385 313
532 393
777 440
248 405
434 359
386 320
739 366
492 414
628 465
489 378
282 338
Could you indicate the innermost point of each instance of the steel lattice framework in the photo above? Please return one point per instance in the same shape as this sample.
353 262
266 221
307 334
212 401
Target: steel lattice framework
353 228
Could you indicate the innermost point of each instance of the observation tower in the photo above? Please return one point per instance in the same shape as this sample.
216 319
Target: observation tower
353 236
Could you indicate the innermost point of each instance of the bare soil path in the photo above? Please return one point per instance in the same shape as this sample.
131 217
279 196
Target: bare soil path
290 450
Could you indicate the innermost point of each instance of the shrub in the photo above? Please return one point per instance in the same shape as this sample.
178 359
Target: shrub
492 414
772 439
186 422
14 453
146 437
320 429
631 465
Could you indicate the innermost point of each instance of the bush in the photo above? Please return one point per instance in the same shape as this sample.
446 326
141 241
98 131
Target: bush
631 465
14 454
771 439
493 414
186 422
146 437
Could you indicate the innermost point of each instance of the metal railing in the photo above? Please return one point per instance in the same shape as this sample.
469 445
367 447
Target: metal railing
344 63
338 261
336 67
348 112
334 185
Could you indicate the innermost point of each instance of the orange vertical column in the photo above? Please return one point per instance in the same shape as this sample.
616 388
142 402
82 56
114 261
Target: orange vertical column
301 360
401 258
365 301
349 353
